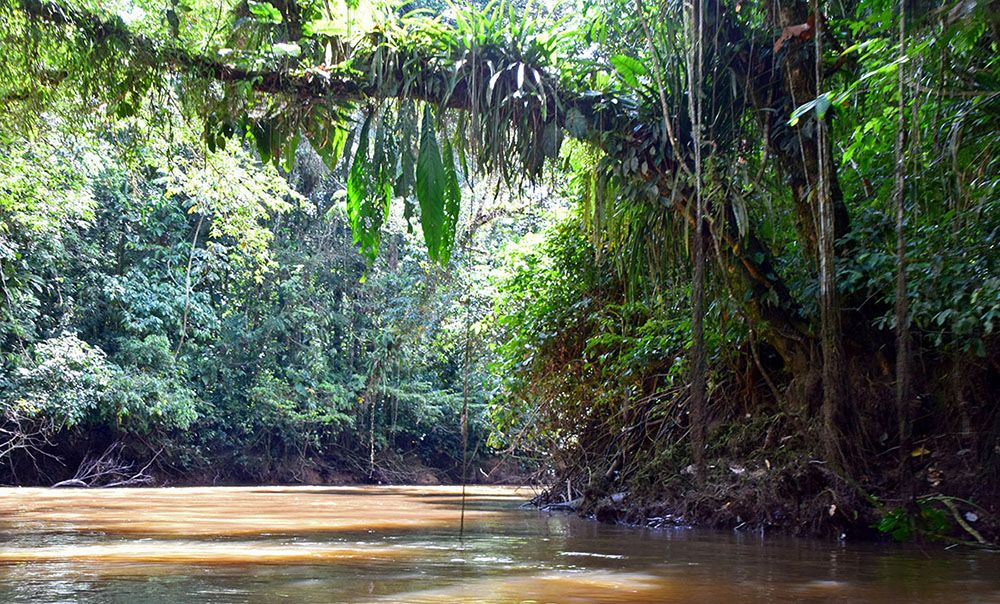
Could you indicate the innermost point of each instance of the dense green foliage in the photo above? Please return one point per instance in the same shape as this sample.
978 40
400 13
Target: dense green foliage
207 310
741 190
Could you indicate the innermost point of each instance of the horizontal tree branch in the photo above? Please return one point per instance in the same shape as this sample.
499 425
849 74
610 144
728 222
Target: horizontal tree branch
751 260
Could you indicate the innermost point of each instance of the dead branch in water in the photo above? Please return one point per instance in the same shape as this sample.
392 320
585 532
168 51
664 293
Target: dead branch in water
108 470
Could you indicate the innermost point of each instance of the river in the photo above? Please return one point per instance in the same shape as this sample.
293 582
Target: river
402 544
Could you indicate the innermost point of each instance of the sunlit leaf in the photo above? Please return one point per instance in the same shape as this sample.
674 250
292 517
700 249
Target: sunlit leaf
264 12
629 68
364 200
286 49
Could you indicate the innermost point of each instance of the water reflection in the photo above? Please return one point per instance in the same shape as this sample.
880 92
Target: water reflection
400 544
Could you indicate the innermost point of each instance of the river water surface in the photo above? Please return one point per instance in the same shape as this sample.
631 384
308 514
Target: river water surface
402 544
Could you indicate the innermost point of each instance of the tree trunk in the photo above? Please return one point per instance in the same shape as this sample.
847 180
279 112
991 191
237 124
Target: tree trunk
698 381
833 375
793 84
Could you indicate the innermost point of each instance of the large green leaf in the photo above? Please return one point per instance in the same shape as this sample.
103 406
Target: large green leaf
327 137
431 187
367 201
264 12
629 68
357 181
406 128
452 202
266 137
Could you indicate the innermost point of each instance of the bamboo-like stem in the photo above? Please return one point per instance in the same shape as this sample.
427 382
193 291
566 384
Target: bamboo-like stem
903 386
465 407
695 61
187 285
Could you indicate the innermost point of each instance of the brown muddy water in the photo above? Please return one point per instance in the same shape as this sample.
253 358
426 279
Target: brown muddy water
402 544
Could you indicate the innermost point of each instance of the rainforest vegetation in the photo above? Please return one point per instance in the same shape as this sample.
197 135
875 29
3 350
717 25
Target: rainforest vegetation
719 262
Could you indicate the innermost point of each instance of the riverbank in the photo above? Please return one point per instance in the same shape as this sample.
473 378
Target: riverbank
800 497
777 490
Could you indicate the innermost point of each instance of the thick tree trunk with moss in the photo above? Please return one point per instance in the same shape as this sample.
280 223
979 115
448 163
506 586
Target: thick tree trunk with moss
834 377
